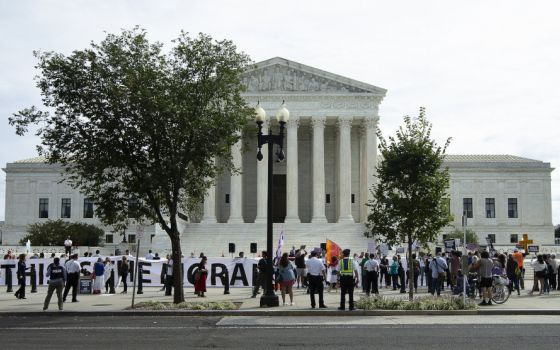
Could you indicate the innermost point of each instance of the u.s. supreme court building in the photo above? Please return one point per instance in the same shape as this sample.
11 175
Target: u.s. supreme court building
321 188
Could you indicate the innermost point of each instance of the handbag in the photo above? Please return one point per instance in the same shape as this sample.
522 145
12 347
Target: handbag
441 275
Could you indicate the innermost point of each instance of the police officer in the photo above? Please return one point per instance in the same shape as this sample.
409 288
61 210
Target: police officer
316 274
348 273
57 277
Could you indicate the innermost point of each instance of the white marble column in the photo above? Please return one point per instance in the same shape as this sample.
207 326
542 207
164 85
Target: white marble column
209 216
318 158
368 164
292 211
236 187
262 181
344 173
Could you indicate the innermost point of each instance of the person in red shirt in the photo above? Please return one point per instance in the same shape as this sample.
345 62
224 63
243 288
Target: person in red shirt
520 259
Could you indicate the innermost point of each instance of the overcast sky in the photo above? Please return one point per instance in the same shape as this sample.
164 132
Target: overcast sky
488 72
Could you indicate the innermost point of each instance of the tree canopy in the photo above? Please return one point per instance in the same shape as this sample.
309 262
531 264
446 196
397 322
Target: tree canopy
55 232
409 196
472 237
137 128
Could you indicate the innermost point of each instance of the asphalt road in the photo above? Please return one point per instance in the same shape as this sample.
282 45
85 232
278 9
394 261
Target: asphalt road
163 332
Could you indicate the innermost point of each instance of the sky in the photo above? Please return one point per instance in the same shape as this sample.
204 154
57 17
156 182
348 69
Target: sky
488 72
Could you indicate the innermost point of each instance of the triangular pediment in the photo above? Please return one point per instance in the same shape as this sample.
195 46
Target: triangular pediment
281 75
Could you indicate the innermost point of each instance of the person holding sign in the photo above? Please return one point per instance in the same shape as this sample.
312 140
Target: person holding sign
200 278
21 267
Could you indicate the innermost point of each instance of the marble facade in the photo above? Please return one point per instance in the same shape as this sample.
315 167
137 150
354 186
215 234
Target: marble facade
322 186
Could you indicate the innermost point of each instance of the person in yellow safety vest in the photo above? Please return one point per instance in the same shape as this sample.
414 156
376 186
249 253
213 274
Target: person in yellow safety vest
348 274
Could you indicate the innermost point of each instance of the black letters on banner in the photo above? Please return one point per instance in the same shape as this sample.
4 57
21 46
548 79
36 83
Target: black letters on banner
33 278
255 274
223 275
9 277
243 277
143 272
190 273
41 274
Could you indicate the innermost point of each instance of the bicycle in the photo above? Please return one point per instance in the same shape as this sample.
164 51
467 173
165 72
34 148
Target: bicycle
500 289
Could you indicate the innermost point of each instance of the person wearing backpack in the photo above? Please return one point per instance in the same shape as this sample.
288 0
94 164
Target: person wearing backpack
512 271
416 269
438 265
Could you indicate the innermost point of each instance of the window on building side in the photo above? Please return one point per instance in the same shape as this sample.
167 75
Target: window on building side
353 198
88 208
512 208
513 238
328 198
133 208
467 207
43 208
227 198
65 210
492 238
108 238
131 238
490 208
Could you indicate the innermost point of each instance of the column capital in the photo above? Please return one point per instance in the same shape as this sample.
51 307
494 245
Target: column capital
370 122
318 121
293 122
344 122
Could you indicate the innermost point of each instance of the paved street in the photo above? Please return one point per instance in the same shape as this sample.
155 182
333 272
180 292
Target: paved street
530 332
117 302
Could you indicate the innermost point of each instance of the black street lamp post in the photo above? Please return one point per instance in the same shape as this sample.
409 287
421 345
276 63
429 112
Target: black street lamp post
269 298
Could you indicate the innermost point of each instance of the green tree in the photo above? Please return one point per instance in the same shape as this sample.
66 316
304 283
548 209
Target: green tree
55 232
134 124
458 233
409 196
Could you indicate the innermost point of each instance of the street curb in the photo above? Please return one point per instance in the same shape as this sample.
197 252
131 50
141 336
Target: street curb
282 313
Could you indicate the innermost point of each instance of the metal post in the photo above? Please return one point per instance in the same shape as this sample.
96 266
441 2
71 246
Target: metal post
465 257
269 298
135 271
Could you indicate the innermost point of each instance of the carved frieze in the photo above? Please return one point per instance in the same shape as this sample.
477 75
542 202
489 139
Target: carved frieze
282 78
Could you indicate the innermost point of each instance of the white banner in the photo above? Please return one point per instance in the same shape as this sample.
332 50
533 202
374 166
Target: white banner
238 271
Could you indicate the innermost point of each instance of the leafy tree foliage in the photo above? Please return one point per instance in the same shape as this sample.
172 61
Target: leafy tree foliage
458 233
55 232
137 128
409 195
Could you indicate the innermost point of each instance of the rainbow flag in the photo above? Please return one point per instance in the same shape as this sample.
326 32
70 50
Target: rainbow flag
333 249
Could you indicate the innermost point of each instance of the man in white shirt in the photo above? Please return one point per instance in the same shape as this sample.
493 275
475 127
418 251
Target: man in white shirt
73 272
149 256
316 274
68 246
372 273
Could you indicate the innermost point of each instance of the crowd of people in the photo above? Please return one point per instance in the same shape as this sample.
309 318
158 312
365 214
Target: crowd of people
312 271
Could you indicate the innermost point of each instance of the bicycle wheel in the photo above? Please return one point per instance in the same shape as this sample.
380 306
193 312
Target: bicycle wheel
500 293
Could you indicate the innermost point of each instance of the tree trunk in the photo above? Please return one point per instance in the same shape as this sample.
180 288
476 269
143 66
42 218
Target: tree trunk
410 265
178 292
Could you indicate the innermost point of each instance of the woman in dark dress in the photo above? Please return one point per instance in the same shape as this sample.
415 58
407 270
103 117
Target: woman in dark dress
21 267
200 278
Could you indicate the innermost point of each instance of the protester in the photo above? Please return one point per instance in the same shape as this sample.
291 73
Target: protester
540 269
73 277
348 274
99 276
200 278
364 258
520 259
333 268
438 265
67 246
124 273
512 273
371 267
454 265
394 273
57 277
428 273
261 275
400 271
21 267
149 256
485 266
169 276
316 274
300 266
384 272
553 271
416 269
109 276
286 275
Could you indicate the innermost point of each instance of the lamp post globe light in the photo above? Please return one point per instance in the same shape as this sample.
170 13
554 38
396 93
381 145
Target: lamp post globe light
282 116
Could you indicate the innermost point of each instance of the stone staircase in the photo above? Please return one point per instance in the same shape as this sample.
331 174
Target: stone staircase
213 239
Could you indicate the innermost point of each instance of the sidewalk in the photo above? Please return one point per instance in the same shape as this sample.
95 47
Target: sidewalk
117 303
